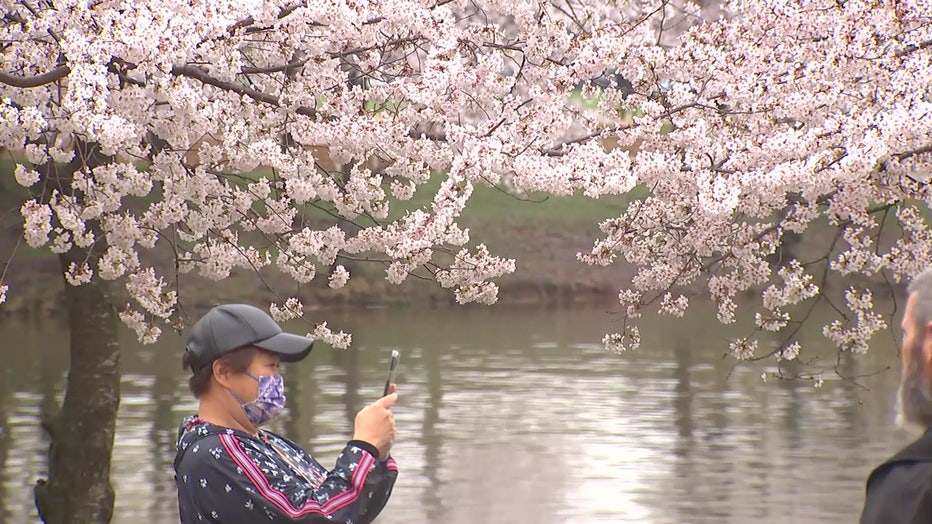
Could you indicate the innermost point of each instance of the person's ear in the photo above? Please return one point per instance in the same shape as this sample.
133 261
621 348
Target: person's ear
926 348
222 373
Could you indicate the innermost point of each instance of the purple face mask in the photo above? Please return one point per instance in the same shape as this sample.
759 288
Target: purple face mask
269 403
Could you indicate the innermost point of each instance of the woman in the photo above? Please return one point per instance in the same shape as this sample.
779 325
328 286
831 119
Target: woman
229 470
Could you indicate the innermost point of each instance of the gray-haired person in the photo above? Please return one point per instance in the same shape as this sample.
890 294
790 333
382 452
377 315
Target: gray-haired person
899 491
230 470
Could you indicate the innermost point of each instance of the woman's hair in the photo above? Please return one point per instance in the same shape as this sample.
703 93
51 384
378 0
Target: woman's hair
238 361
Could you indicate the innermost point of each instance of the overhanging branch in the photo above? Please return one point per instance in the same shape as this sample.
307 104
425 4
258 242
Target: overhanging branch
27 82
199 74
273 69
561 148
913 47
918 151
247 22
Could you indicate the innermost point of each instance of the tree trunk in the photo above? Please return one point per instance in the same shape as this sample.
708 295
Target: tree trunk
78 489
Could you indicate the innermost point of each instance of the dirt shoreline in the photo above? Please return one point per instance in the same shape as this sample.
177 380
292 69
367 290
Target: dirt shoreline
551 279
543 239
547 275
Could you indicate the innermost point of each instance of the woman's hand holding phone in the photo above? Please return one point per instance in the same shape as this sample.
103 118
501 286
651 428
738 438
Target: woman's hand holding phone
375 423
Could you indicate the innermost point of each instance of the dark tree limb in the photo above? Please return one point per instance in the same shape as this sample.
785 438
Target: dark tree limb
27 82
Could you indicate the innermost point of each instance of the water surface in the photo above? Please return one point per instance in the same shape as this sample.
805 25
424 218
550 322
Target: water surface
509 416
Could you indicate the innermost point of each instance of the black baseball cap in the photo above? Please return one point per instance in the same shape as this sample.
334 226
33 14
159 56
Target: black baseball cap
229 327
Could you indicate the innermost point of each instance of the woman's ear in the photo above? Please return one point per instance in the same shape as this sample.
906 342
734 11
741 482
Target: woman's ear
221 373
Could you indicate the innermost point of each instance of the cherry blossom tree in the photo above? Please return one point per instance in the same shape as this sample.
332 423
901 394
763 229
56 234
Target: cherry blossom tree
215 129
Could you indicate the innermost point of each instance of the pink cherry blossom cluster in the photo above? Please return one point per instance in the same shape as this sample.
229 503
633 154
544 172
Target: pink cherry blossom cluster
866 323
338 340
291 309
226 130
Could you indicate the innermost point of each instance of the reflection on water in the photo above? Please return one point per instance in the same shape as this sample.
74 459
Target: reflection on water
507 417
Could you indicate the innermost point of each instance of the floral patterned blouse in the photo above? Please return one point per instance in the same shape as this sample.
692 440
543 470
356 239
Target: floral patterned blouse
228 476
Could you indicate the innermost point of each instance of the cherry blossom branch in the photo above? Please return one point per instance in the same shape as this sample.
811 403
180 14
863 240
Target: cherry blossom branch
199 74
560 149
290 66
255 269
295 64
852 378
9 260
799 323
663 18
911 48
335 215
26 82
918 151
247 22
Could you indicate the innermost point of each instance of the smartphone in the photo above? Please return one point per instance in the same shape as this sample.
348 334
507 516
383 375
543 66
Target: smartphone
392 367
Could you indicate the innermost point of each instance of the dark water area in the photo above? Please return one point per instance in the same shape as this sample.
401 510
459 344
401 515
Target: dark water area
509 416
